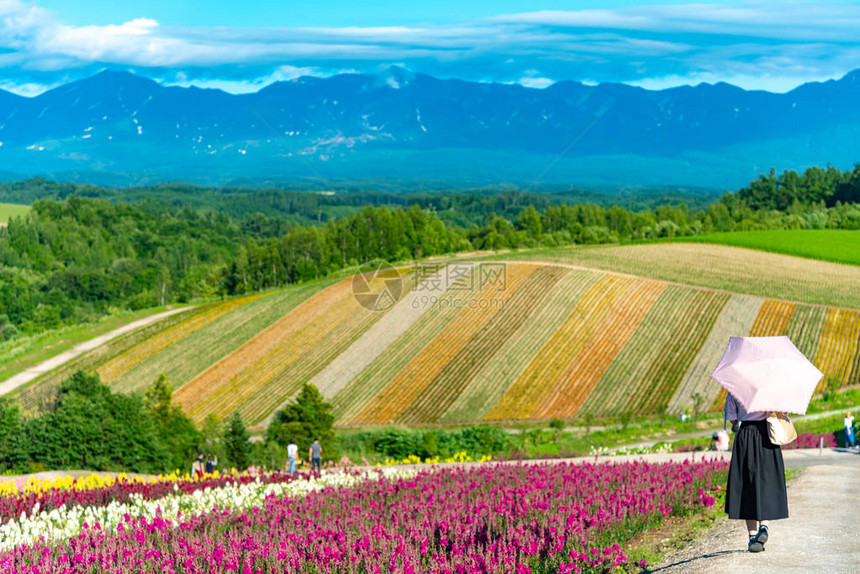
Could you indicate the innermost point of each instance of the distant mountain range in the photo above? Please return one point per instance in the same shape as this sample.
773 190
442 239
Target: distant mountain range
122 128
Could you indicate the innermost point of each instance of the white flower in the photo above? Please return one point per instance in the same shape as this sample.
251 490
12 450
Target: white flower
63 523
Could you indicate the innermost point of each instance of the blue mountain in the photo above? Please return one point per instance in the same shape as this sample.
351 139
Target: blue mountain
405 125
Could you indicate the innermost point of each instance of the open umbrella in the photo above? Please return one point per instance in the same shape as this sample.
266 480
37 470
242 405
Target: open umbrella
767 374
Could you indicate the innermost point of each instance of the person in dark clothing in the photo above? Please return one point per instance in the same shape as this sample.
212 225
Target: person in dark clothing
211 463
756 489
315 455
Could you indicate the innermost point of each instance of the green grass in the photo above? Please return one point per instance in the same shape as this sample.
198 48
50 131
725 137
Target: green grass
820 426
22 353
9 210
836 245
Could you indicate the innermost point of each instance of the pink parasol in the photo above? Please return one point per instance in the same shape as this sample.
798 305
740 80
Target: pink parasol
767 374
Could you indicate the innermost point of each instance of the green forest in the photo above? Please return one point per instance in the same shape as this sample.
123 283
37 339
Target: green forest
82 251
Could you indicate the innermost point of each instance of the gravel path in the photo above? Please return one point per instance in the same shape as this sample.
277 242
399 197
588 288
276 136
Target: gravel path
821 534
25 377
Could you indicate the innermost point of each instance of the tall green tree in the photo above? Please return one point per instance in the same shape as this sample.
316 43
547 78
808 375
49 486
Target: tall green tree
175 430
307 417
237 444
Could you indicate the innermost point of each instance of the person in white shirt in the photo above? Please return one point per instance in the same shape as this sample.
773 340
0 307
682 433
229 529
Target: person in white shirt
292 455
848 421
722 441
756 490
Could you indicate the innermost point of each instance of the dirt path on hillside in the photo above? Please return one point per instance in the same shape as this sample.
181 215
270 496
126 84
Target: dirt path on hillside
821 534
28 375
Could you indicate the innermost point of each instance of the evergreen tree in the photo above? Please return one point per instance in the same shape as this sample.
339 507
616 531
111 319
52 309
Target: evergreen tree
237 444
307 417
175 430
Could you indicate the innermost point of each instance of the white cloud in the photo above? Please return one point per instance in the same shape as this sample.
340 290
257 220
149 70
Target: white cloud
756 44
532 82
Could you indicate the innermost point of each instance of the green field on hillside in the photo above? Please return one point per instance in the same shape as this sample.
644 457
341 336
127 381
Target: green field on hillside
837 245
9 210
21 353
722 267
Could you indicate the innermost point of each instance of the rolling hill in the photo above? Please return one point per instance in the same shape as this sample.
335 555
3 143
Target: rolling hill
466 341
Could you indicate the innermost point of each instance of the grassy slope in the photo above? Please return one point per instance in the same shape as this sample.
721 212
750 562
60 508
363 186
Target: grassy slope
836 245
8 210
718 267
24 352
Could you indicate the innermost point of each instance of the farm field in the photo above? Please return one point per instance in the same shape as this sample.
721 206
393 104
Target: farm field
836 245
9 210
720 267
574 342
533 342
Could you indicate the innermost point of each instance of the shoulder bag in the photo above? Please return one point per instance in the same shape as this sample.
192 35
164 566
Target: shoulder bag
780 431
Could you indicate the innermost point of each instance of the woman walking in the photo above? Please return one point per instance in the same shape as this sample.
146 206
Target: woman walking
756 487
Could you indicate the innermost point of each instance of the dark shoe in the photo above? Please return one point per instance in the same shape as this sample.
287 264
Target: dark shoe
761 537
755 545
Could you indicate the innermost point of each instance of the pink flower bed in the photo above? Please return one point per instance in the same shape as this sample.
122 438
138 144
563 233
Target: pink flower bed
811 440
121 491
488 518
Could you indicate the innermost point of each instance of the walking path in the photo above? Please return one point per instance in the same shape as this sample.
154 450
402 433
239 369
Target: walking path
25 377
821 534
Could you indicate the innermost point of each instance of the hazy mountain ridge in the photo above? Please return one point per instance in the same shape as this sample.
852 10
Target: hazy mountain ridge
403 124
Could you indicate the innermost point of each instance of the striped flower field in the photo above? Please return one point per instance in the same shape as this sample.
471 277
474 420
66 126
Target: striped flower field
547 340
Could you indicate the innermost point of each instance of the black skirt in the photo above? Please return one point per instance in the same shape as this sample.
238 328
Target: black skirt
756 486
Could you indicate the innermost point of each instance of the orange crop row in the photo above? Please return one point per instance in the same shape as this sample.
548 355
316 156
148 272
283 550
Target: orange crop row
121 364
586 369
221 373
542 373
412 379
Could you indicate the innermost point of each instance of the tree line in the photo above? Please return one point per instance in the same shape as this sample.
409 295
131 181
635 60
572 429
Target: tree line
87 426
73 259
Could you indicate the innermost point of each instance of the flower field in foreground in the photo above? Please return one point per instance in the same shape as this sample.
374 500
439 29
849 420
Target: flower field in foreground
485 518
61 514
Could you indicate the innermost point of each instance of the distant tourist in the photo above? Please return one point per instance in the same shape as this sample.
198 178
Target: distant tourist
198 467
756 489
315 455
848 421
292 455
211 463
720 440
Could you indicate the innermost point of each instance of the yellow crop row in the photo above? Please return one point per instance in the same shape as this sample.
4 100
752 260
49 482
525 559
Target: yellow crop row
839 344
545 369
586 369
773 319
420 371
93 481
121 364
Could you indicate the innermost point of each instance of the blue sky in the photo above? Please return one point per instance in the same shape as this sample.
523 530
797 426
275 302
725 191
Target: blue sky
225 44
